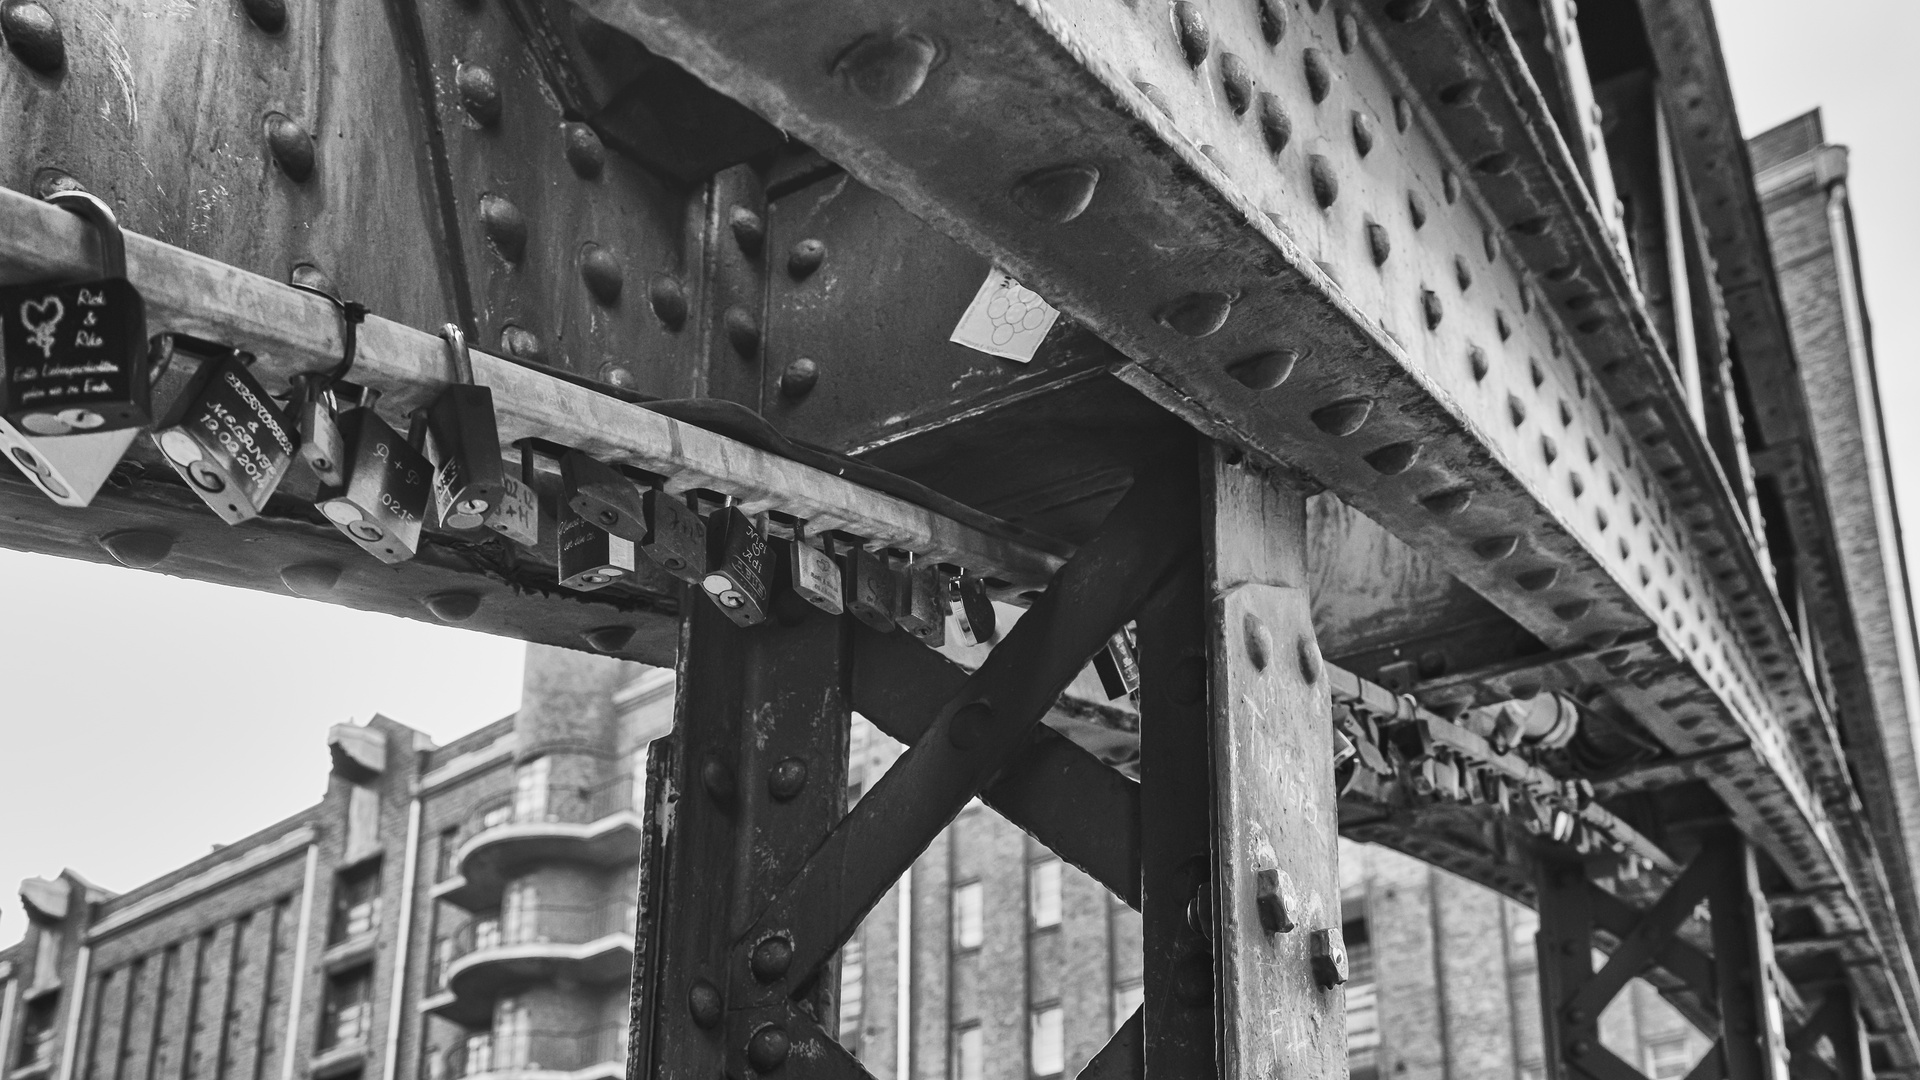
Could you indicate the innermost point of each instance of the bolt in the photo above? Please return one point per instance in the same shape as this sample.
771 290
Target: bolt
479 93
505 225
1326 185
798 380
291 146
1271 903
602 273
268 15
1275 126
1197 314
749 230
1195 40
887 70
1264 371
703 1003
969 725
1343 417
1058 194
771 959
584 150
1329 954
767 1048
786 779
717 778
34 35
805 258
669 300
1319 78
1236 80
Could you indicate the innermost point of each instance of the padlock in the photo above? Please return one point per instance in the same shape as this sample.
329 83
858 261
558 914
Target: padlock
600 494
590 557
740 578
470 479
388 484
1118 665
972 609
814 575
920 604
321 447
74 356
226 438
868 587
516 514
69 469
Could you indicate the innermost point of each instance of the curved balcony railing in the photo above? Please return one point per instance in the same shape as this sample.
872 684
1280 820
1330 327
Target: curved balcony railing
561 804
497 1053
490 957
597 825
542 924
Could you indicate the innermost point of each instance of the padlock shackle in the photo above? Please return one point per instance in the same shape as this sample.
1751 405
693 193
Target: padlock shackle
457 353
113 243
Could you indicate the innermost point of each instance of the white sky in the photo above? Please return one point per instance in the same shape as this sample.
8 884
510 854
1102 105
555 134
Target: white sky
147 718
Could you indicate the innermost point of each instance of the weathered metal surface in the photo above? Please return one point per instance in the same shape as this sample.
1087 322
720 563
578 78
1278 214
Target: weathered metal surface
1752 1030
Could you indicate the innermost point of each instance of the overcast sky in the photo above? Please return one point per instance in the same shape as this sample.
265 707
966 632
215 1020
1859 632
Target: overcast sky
131 741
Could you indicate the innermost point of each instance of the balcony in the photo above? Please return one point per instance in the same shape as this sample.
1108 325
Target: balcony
514 1055
597 827
490 957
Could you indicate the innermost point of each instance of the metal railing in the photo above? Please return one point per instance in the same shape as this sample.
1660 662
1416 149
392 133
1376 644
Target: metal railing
539 923
563 803
529 1051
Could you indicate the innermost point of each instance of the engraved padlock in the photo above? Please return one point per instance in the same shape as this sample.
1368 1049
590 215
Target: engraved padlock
388 485
69 469
1118 665
920 602
74 356
973 614
598 492
589 556
815 577
869 587
321 447
226 438
516 514
676 537
470 479
739 577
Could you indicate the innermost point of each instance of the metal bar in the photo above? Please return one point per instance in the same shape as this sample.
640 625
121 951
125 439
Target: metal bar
1676 956
1564 945
1751 1036
1643 943
1711 1066
1069 800
1121 1058
981 729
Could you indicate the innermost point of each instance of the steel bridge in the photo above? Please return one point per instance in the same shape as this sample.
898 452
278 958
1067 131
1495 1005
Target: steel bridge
1409 381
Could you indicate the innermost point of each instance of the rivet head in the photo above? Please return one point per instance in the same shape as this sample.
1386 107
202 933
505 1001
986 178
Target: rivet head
505 225
453 607
743 331
522 343
1462 274
1492 548
1155 97
1258 640
290 145
799 377
1379 244
614 375
1477 362
1430 309
1264 371
749 230
1394 458
1270 902
311 580
1058 194
47 180
969 725
268 15
1343 417
1329 953
1402 113
1346 30
1236 81
1534 226
669 300
34 35
609 639
771 959
1326 184
1407 10
1460 94
767 1048
1276 127
717 778
886 69
1416 209
1362 125
1195 39
1449 502
1498 162
1319 75
479 93
1573 610
602 273
1273 21
1196 315
141 549
1536 580
805 258
787 779
1307 654
585 152
703 1003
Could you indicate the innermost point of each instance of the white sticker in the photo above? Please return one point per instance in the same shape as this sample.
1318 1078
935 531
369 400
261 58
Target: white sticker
1006 319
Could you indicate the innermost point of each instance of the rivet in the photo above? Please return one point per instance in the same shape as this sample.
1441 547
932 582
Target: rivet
749 230
1195 40
1533 226
1498 162
1258 639
1464 92
453 607
609 639
479 93
1402 113
1500 325
1537 580
1275 126
1326 185
1416 209
717 778
1343 417
1449 502
521 343
1548 448
1270 903
141 549
1407 10
703 1003
1156 97
1196 315
614 375
268 15
1573 610
1187 682
1494 548
505 225
1058 194
310 276
1477 362
585 152
47 180
1213 155
887 69
1264 371
669 300
34 35
1430 308
1516 410
1394 458
767 1048
1589 326
1579 1048
743 331
1379 244
805 258
969 725
787 779
1319 78
799 377
1489 244
1461 274
1236 80
291 146
602 273
1273 21
1362 133
771 959
1346 30
311 580
1564 272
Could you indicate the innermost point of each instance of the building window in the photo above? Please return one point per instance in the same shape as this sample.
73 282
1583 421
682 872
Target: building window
356 903
1043 893
512 1034
1667 1059
853 982
969 1051
449 843
46 957
969 929
347 1016
1126 1001
1047 1048
519 913
36 1031
530 790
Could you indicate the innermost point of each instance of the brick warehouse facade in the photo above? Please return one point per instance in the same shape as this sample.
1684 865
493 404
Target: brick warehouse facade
465 911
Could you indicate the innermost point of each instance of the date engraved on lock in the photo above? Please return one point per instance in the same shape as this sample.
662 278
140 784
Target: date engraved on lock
387 489
228 440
